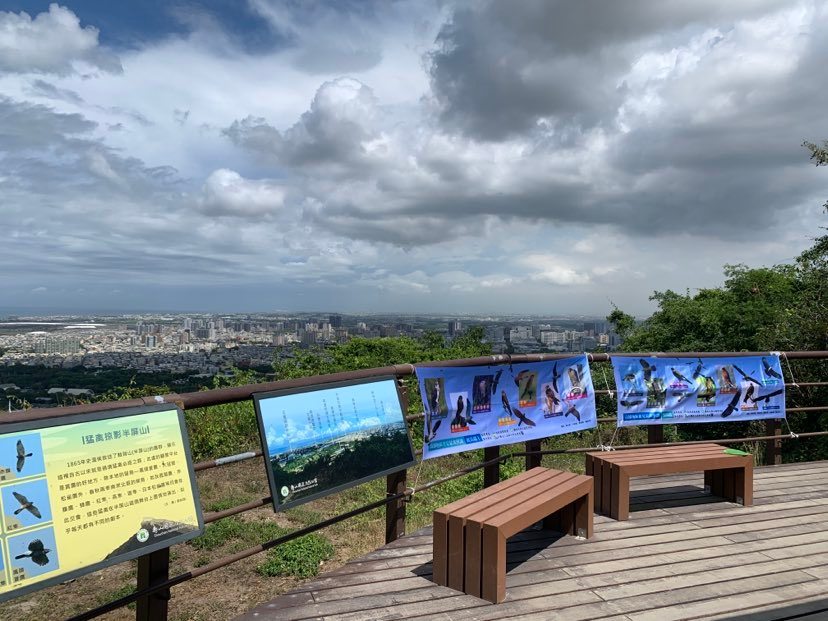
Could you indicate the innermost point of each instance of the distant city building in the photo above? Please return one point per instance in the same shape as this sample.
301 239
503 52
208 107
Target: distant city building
310 337
335 321
594 328
56 345
454 327
520 333
341 335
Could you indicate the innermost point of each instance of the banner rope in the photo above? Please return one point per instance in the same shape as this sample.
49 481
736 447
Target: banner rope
410 490
784 355
790 431
606 382
608 447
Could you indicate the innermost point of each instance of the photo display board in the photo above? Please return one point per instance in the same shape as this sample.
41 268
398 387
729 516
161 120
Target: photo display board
654 391
81 492
323 439
469 408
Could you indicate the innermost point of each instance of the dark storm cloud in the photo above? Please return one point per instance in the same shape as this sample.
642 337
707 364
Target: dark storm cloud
501 67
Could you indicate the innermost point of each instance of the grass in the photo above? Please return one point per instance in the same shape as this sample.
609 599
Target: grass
242 533
301 557
127 589
222 504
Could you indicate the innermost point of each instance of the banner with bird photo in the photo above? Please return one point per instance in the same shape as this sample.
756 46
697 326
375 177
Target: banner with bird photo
656 390
469 408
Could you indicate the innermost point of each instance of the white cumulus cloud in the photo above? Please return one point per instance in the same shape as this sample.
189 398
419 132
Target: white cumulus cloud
51 42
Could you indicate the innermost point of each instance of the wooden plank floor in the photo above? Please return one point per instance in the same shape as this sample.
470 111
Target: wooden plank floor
682 555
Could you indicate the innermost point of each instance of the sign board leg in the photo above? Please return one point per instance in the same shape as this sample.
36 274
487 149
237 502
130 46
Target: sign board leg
395 510
533 461
491 473
773 448
152 569
655 434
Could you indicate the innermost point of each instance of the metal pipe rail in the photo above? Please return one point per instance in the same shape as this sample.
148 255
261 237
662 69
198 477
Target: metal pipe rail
154 582
219 396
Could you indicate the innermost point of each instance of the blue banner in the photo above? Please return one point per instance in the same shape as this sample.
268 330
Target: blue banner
654 391
474 407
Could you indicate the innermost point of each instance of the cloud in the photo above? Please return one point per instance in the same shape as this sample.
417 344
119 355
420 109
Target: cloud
500 70
51 43
333 133
326 37
40 88
686 139
227 193
538 157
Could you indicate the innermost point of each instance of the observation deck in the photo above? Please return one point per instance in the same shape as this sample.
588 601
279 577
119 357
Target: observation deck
682 555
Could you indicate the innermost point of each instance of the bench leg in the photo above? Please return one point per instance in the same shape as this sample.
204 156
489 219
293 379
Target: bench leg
597 471
493 565
744 485
606 488
439 566
727 484
456 552
553 522
568 519
583 516
717 483
708 481
620 494
473 558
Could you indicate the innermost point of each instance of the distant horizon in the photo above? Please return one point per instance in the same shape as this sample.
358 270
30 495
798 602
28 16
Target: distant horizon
34 312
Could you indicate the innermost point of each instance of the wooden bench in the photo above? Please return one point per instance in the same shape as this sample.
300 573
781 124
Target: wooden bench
470 534
725 474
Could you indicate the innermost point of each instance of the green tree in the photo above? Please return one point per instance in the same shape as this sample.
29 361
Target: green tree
362 353
743 314
622 323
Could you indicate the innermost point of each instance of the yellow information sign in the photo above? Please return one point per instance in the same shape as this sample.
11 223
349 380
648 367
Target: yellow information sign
81 492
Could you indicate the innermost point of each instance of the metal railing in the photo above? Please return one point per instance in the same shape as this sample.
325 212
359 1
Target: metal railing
154 582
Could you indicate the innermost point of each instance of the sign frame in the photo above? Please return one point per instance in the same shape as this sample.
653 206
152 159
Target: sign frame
114 413
257 397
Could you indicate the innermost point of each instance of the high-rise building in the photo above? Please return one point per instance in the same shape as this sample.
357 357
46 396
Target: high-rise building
454 327
56 345
335 321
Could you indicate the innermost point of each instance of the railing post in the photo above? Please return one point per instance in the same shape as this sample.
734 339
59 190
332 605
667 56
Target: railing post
395 511
533 461
152 569
491 473
655 434
773 448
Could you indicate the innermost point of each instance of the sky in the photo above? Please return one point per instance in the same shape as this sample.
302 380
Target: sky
541 157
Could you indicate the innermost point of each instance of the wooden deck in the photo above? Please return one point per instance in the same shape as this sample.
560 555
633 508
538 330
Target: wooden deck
682 555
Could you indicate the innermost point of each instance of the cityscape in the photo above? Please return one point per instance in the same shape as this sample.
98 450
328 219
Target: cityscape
202 346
